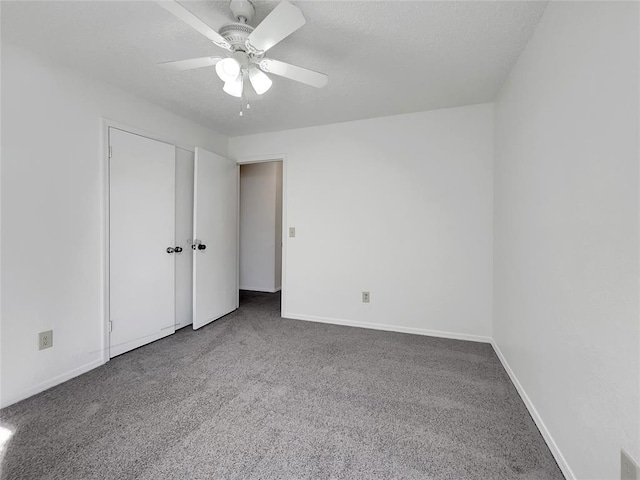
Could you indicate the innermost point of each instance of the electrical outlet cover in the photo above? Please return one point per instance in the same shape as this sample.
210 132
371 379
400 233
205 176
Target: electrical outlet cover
45 340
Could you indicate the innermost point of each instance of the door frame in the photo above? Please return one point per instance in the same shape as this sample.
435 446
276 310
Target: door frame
106 234
276 157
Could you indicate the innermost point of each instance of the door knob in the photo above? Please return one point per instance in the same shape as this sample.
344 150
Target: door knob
202 246
170 250
178 249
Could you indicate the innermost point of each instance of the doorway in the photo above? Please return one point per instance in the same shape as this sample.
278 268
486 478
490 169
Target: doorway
261 242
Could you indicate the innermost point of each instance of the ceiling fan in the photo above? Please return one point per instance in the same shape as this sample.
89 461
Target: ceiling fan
246 47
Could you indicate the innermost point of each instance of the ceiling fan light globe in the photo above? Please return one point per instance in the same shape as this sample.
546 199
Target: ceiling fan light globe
234 88
228 69
259 80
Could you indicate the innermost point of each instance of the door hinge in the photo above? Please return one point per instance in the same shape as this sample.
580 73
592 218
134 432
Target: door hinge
110 326
110 151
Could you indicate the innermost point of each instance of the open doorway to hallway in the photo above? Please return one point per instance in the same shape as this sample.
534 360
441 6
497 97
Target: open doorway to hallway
261 232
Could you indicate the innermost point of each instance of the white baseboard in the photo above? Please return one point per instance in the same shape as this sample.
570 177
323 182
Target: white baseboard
555 451
389 328
41 387
261 289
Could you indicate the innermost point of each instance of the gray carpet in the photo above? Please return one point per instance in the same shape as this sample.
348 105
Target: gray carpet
256 396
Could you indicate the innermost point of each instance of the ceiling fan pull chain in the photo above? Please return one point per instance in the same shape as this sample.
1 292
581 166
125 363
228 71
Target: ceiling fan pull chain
244 101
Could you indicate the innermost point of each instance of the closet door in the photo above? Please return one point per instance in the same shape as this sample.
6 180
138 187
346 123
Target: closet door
215 258
141 230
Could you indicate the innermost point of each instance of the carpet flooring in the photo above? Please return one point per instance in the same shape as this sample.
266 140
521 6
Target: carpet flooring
255 396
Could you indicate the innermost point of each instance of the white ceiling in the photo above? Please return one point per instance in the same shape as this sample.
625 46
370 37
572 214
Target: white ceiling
382 57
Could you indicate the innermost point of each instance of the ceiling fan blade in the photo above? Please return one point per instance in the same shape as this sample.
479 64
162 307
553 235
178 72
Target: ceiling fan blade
299 74
191 63
280 23
194 22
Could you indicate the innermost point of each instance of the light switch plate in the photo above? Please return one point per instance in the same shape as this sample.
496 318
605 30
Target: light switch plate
629 470
365 297
292 232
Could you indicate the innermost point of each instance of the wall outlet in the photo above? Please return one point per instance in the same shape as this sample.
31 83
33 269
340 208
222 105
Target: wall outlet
45 340
292 232
629 470
365 297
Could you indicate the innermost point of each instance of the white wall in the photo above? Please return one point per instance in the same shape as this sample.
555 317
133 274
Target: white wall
184 237
399 206
259 227
566 231
278 280
52 214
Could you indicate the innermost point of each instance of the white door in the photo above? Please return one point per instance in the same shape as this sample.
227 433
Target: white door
215 237
141 229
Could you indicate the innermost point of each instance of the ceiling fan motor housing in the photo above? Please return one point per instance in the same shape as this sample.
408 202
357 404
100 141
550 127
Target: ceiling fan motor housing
236 34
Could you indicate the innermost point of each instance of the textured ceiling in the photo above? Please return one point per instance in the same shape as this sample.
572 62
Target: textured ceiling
382 57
